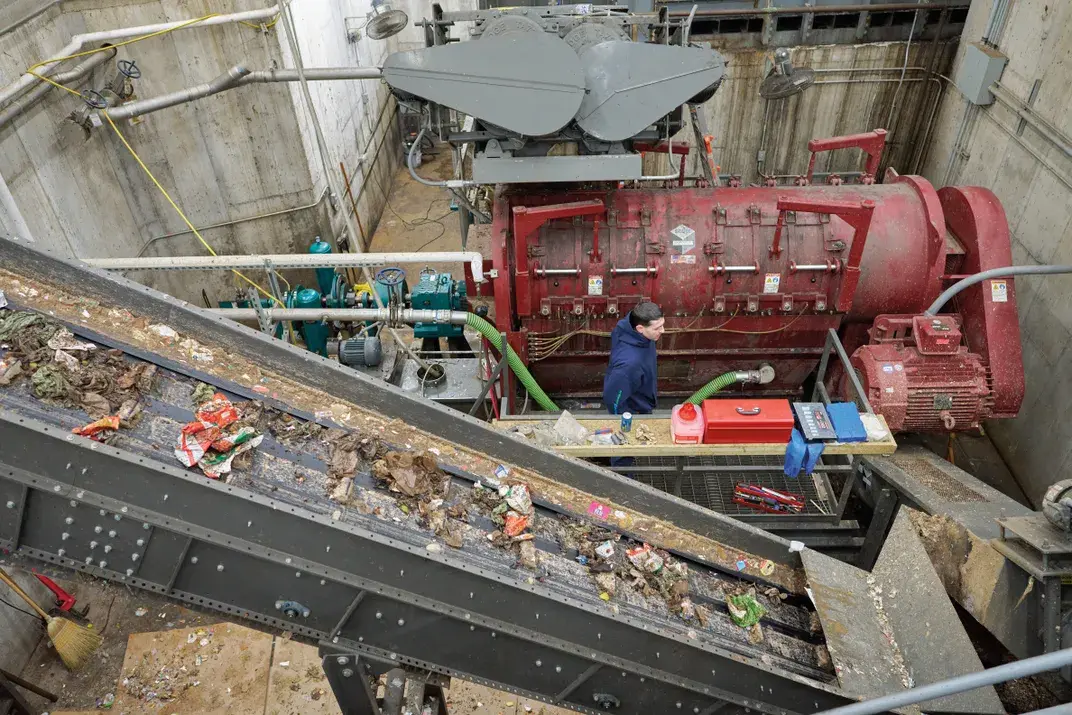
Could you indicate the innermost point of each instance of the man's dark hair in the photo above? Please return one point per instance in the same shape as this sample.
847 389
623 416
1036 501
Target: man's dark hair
644 314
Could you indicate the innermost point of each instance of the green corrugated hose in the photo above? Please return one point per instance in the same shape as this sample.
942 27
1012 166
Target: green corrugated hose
523 375
719 383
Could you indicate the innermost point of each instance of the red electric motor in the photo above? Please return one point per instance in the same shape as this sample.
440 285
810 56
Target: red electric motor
758 275
920 377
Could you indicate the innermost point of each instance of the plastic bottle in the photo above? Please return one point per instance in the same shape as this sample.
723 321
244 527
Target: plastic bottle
686 424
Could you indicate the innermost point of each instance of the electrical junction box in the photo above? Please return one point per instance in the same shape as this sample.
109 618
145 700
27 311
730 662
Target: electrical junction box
982 66
437 291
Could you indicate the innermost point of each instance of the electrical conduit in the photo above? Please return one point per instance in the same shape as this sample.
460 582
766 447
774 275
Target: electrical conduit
957 287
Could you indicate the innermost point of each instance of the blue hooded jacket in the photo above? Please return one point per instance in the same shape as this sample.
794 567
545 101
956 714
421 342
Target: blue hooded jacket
630 384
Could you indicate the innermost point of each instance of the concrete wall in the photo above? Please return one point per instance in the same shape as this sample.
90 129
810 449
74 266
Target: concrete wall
240 154
19 633
1032 177
855 90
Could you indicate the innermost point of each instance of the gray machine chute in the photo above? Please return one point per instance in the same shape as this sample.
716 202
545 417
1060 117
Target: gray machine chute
530 83
555 93
632 85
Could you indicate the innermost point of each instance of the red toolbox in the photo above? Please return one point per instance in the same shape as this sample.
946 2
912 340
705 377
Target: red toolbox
743 421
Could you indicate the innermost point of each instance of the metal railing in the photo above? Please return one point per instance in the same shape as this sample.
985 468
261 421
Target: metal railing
962 683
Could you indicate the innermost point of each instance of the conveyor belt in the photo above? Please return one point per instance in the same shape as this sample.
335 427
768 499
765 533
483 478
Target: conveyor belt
371 584
298 477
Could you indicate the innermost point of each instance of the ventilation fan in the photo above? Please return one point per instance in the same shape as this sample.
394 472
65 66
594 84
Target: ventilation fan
384 21
785 80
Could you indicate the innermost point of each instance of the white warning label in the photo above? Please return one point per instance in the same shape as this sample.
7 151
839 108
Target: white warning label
595 285
999 291
771 282
687 259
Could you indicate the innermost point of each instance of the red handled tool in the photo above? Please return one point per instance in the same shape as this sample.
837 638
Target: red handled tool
64 600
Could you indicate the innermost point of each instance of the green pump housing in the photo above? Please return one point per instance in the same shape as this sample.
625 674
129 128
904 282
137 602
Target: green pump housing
315 332
438 291
325 277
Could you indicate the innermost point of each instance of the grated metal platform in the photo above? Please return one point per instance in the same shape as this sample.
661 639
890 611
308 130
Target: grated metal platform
714 489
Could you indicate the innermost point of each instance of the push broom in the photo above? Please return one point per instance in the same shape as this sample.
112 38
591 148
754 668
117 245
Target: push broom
74 643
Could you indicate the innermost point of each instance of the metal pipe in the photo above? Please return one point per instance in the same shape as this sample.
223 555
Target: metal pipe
80 42
669 162
812 10
411 157
626 271
557 271
868 69
1025 112
733 269
389 315
959 684
904 69
287 16
287 260
811 267
11 209
313 74
80 70
225 81
202 229
1058 173
957 287
236 77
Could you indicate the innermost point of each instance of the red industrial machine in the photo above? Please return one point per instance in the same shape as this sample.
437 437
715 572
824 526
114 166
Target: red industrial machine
751 275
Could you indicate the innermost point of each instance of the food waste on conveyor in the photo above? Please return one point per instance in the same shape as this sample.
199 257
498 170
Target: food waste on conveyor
52 375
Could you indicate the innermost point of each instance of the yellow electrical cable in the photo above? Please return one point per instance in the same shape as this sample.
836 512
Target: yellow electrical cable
179 211
267 26
124 43
165 193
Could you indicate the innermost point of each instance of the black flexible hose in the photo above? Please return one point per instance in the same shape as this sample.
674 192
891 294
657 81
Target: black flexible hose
992 273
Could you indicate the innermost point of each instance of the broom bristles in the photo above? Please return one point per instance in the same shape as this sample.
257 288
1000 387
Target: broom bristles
75 644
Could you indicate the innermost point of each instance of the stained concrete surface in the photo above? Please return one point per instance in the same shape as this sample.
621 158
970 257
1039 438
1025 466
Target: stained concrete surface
20 632
1032 178
233 157
114 613
213 665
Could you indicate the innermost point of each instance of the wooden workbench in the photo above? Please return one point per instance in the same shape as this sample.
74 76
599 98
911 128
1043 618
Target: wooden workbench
663 446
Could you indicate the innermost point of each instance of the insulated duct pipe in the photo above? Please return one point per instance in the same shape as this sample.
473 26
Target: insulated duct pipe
389 315
236 77
288 260
80 42
968 282
80 70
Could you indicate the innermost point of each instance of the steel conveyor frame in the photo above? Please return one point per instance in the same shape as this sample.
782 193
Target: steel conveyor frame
371 587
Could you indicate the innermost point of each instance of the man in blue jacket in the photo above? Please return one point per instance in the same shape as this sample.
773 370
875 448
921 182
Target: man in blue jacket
630 384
